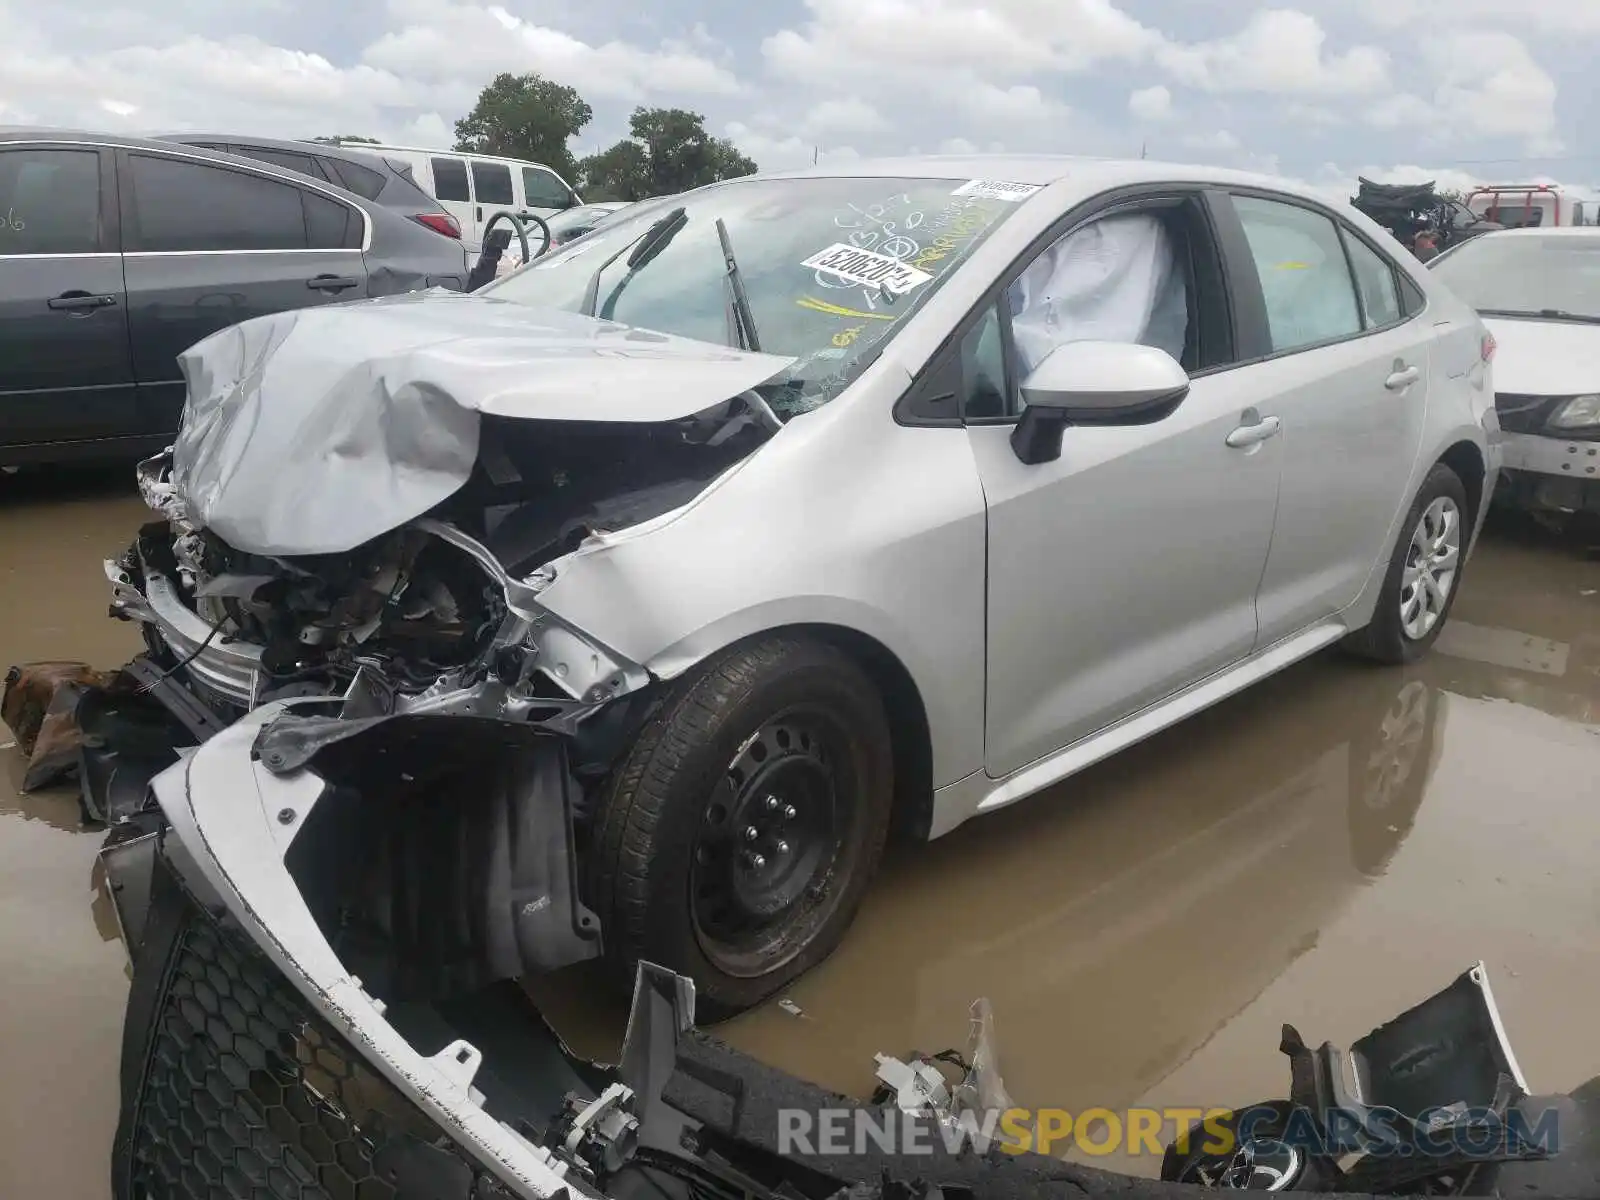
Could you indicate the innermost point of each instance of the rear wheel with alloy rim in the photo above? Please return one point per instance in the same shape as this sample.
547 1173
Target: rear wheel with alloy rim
736 839
1424 574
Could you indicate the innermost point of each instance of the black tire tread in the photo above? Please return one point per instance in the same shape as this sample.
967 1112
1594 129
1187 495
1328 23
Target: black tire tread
1381 639
640 789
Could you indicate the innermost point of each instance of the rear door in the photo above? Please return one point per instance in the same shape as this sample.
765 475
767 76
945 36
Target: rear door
65 367
208 245
492 193
452 188
1345 368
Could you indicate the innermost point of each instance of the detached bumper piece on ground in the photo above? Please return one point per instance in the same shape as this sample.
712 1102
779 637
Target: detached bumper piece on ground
257 1064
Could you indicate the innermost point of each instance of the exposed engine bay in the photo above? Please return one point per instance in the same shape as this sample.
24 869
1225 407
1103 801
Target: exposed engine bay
425 609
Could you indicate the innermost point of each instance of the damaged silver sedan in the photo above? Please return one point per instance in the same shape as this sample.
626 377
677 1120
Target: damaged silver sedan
624 608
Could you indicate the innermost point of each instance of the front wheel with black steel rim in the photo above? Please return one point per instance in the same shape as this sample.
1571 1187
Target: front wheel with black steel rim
1424 574
737 837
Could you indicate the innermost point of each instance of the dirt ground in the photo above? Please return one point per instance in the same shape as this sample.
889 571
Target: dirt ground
1325 850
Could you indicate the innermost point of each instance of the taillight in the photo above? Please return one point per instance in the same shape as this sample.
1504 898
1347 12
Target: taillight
440 223
1487 347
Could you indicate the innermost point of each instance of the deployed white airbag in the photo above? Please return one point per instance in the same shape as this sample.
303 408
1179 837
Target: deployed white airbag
1115 280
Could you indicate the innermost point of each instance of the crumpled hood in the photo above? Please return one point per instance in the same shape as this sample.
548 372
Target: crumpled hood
1545 358
313 431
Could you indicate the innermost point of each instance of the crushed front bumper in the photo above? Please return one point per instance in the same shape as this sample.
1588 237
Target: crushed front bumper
1551 473
224 673
244 1020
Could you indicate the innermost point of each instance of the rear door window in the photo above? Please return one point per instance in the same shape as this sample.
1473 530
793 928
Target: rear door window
542 189
176 204
1375 281
492 183
49 201
450 180
183 205
331 225
1305 279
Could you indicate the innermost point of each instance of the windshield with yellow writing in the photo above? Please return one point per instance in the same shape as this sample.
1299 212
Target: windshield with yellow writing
830 266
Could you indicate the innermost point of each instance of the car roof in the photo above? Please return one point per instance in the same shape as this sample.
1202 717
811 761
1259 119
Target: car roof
1547 231
349 153
432 151
45 133
1092 174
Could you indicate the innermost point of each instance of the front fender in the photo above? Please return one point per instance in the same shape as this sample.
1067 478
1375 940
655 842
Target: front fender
846 520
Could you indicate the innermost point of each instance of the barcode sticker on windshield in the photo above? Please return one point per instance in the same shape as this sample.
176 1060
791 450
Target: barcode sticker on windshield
855 265
997 189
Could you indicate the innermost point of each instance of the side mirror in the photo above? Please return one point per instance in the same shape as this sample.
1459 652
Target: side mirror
1094 383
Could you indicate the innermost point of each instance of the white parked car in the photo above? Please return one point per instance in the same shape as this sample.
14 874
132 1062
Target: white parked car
796 508
1538 291
474 188
622 608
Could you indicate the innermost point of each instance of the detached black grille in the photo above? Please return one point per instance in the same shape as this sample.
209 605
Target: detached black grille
1525 414
247 1095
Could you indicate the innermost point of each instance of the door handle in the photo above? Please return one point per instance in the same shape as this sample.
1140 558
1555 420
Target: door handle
79 301
1252 435
1402 378
332 283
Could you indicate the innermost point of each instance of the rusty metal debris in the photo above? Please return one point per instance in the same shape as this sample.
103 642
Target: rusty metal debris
40 707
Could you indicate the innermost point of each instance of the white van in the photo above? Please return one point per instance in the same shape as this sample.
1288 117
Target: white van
474 187
1537 205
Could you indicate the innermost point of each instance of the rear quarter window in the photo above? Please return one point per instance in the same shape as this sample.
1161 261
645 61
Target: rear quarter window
363 181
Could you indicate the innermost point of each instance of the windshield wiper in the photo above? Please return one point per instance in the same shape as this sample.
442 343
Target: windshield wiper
743 319
1547 314
645 247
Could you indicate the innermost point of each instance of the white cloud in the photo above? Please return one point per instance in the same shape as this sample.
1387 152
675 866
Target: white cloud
1491 85
1151 103
776 152
1544 17
1218 141
844 116
1401 111
1280 51
1460 79
896 40
1020 104
1487 84
451 41
412 81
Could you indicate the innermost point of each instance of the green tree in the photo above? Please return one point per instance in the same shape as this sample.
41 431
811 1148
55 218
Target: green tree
669 151
525 116
620 173
345 137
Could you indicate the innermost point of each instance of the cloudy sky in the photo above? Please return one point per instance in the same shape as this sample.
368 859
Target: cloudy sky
1404 89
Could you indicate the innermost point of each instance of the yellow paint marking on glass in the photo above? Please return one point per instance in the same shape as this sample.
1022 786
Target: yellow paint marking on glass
1292 266
840 310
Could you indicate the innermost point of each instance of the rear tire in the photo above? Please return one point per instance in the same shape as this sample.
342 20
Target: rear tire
736 839
1424 575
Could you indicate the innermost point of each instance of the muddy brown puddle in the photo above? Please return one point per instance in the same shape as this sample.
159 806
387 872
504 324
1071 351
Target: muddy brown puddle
1325 850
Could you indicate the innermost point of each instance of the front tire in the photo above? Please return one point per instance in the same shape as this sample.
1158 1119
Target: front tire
736 839
1424 574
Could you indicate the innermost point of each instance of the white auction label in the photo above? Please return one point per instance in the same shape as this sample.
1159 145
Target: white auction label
997 189
869 269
